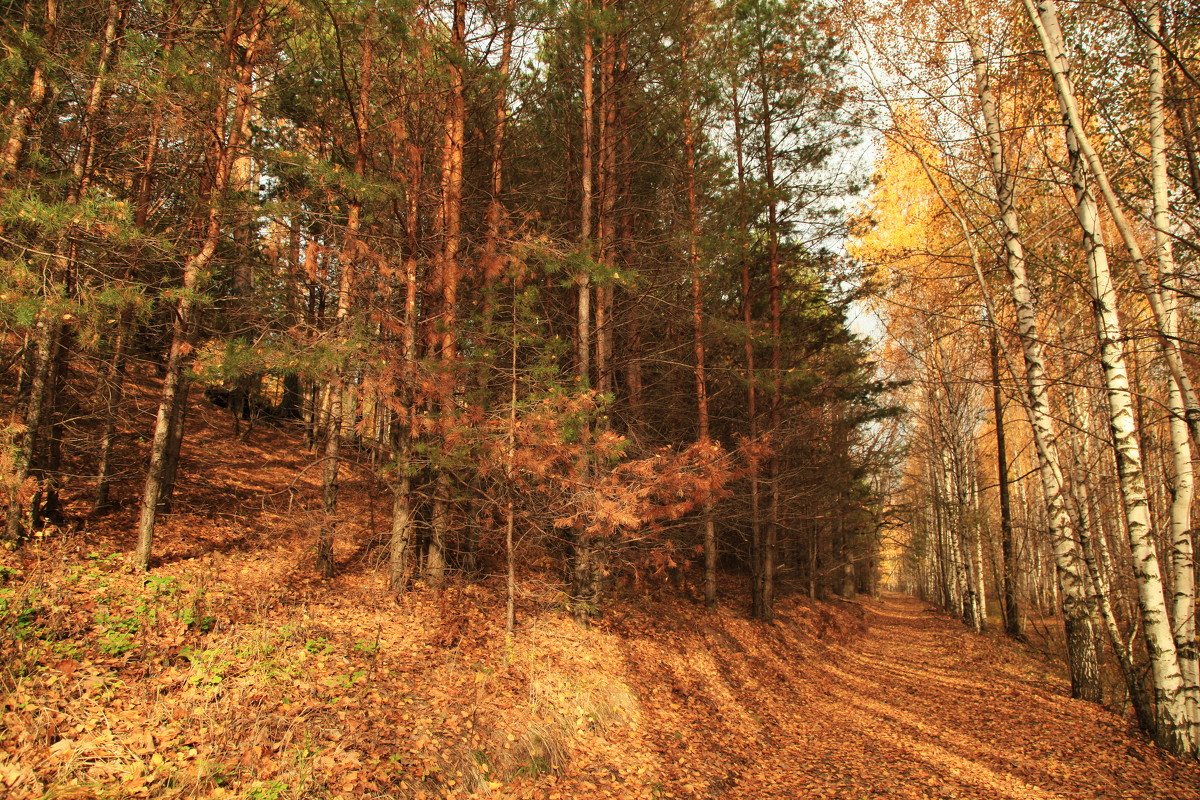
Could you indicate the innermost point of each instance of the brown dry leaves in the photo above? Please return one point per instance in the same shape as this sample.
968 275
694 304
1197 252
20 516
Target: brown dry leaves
347 696
237 675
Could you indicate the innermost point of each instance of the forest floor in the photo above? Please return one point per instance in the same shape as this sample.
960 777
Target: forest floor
231 672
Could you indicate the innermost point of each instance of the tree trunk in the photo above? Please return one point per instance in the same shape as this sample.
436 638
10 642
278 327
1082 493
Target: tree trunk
40 388
352 251
747 310
693 211
403 527
583 548
1081 655
174 448
400 541
1173 729
234 76
774 510
510 563
449 219
25 116
1013 622
1182 489
114 385
329 478
607 186
490 261
1088 545
1045 20
583 310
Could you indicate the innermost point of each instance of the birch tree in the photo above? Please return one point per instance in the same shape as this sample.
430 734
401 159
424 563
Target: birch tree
1174 730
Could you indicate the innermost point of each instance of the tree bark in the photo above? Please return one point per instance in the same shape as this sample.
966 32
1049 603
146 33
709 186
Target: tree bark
702 421
449 224
40 386
1014 624
114 384
1182 489
1088 545
234 76
1045 20
583 577
401 544
351 253
25 116
174 448
607 196
747 311
1081 655
1173 729
766 604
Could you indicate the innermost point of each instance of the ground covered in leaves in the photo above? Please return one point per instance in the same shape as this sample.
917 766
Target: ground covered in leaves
230 672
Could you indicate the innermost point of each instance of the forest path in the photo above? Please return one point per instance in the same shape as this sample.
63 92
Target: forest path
921 707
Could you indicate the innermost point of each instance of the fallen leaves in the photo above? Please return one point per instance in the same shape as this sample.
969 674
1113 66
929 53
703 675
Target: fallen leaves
303 688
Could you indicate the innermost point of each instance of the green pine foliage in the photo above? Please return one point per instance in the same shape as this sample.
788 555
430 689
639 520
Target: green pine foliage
345 125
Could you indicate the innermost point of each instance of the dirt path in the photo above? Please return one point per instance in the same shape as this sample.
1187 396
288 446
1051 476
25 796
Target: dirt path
917 707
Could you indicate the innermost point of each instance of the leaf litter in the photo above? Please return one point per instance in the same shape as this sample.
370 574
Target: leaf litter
229 672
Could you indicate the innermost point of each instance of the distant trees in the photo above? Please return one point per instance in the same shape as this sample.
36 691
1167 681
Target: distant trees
561 272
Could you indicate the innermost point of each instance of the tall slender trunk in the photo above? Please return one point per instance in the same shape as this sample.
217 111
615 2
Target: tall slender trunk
400 543
747 309
233 76
400 547
1081 651
775 405
1091 540
1182 490
490 261
81 170
945 590
26 114
583 281
981 607
352 249
449 225
145 178
702 421
607 195
1014 624
400 540
510 563
115 377
174 448
49 330
1173 729
48 506
114 383
1045 20
583 567
631 350
41 449
330 468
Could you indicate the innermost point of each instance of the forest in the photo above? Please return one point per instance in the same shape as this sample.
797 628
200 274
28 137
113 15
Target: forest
423 398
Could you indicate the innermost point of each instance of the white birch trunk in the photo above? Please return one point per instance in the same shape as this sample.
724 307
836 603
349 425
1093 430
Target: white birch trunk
1184 605
1081 652
1045 21
1173 730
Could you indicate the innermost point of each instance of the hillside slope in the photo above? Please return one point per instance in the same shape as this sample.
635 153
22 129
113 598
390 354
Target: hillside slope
230 672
